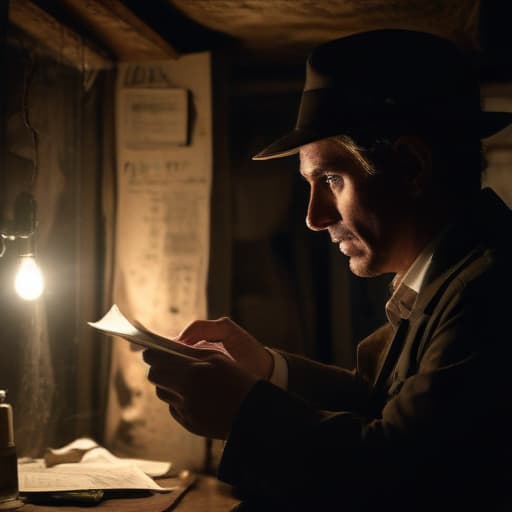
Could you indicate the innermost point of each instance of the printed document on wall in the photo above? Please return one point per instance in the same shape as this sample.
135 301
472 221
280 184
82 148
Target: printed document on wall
164 181
164 165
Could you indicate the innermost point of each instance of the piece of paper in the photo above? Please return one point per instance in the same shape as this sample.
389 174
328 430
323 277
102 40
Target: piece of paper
161 244
92 468
36 477
163 191
86 451
82 443
115 323
154 118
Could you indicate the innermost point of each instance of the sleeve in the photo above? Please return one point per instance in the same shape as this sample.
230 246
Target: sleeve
279 375
441 431
325 386
333 388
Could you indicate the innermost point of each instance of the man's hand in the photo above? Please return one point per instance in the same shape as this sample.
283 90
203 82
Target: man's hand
247 351
204 395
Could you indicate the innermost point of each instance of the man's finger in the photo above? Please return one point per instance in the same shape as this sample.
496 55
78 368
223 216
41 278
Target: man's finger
162 359
171 373
208 330
178 347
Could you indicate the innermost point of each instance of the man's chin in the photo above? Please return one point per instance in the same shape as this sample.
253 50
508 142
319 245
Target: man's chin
361 267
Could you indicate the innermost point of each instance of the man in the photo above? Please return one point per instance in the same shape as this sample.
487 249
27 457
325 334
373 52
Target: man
388 133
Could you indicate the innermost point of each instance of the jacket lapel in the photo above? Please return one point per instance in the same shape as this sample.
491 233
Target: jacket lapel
389 362
408 344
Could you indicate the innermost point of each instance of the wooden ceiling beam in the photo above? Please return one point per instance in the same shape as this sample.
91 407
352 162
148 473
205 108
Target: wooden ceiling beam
90 34
69 45
121 30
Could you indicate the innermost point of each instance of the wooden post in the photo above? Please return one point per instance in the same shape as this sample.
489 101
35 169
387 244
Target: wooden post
4 21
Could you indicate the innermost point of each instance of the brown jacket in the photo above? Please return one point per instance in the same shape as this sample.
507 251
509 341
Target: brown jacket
423 422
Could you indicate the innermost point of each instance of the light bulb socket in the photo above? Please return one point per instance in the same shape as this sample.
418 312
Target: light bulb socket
26 246
21 221
25 215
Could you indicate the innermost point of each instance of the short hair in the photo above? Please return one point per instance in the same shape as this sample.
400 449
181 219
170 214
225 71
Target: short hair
358 152
458 163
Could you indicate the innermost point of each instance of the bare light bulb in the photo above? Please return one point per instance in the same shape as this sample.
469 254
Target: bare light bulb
29 282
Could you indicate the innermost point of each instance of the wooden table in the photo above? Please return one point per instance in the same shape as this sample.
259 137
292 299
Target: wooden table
207 495
195 494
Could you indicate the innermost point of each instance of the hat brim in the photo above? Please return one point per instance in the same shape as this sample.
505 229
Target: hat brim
486 125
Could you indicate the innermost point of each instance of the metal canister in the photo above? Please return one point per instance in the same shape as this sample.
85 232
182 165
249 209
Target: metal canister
8 460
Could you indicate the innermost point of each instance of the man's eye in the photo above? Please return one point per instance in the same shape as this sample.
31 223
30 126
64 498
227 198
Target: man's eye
332 179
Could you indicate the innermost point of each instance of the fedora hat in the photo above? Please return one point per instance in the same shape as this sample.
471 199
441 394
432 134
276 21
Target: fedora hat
386 82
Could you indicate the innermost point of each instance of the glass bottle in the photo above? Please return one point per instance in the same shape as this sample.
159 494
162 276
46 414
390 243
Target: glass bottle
8 460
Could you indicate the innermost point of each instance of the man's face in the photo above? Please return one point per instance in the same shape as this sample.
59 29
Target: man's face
363 213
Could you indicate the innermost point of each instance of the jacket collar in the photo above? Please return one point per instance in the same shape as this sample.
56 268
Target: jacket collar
478 228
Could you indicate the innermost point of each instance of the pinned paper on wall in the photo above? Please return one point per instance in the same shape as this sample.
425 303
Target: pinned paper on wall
164 186
162 239
154 118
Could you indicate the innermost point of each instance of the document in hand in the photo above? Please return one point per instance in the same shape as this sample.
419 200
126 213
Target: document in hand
115 323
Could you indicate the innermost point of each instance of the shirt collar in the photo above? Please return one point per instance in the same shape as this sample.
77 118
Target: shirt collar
415 275
402 301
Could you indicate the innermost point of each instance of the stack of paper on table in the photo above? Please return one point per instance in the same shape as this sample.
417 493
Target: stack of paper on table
94 468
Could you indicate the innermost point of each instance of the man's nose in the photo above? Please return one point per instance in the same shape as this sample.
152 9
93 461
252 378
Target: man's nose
322 211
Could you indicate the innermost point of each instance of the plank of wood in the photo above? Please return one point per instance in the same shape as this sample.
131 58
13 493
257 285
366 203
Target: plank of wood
128 37
65 42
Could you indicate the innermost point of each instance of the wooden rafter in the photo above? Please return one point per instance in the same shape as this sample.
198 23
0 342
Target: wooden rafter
71 46
107 30
119 29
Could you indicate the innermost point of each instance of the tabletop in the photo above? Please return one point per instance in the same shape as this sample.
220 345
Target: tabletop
193 493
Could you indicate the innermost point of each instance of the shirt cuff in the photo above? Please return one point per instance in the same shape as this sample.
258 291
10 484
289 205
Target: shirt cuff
279 375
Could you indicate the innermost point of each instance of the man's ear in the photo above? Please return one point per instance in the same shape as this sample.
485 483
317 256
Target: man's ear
415 158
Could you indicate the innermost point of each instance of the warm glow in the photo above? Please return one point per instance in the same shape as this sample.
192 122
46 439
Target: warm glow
29 283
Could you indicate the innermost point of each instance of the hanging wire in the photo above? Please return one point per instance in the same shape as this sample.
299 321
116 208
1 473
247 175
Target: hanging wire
27 80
